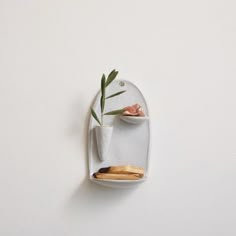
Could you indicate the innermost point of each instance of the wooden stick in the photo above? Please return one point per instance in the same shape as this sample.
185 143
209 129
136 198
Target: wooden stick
128 169
116 176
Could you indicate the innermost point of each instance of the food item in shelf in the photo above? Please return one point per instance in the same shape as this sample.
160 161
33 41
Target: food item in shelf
128 169
134 110
116 176
127 172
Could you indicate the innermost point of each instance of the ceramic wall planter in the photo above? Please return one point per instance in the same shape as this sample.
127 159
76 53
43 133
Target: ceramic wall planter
129 143
103 139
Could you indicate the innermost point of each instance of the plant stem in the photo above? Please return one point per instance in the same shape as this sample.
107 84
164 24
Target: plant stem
102 119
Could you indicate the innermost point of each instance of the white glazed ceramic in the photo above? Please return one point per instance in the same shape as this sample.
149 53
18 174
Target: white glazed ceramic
129 144
135 120
103 138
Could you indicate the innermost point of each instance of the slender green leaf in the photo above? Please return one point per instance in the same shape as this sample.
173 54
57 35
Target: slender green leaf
115 112
103 86
116 94
102 103
95 116
111 77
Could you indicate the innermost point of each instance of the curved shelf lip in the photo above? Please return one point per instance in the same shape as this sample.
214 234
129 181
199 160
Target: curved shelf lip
134 119
118 181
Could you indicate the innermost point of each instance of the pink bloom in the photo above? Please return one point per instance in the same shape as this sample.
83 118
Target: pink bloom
134 110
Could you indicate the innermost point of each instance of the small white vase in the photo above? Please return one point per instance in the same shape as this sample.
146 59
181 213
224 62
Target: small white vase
103 137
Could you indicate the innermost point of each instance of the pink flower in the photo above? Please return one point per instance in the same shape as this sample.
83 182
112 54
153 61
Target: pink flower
134 110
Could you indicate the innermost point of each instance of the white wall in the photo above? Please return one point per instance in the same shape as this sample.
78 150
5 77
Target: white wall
182 55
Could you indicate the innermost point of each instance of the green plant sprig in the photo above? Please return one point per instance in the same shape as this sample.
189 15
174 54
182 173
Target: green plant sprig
104 84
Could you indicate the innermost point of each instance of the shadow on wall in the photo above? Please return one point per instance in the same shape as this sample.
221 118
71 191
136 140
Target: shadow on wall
89 196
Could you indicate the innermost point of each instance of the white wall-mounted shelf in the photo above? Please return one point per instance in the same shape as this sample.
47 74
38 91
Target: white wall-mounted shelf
130 143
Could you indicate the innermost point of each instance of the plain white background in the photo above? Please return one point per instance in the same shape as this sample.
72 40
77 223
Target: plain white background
181 54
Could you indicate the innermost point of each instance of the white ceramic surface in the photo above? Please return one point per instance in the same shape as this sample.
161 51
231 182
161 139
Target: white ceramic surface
135 120
103 139
129 143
